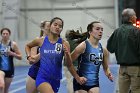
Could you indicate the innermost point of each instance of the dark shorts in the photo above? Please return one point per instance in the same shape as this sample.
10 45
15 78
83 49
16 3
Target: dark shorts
77 86
33 70
9 74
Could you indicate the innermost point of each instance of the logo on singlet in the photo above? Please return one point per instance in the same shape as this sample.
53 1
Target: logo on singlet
4 50
49 51
57 50
96 59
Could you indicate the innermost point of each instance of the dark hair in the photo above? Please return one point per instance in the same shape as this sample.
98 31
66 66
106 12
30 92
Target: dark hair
81 36
55 19
5 29
41 33
90 26
42 25
71 35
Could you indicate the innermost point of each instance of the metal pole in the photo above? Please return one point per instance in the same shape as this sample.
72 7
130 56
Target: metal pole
116 13
1 13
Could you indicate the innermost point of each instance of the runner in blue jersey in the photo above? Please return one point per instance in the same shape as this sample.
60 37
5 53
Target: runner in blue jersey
33 70
52 50
8 50
90 56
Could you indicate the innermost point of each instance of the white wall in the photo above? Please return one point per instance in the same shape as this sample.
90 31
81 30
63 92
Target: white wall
75 13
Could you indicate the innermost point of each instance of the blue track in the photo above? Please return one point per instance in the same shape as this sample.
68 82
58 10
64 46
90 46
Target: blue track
18 84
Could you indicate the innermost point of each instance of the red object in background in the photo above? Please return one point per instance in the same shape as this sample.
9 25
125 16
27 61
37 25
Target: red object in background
138 24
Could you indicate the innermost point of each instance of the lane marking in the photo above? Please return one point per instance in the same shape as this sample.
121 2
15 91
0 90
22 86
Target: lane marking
18 89
18 81
19 76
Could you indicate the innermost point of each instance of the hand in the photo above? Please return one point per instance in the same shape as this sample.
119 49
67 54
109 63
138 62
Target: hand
32 60
66 50
81 80
110 77
10 53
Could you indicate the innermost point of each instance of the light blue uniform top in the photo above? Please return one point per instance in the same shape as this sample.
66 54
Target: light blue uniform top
90 63
4 58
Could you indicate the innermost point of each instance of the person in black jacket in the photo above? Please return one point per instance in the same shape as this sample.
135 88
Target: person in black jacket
125 43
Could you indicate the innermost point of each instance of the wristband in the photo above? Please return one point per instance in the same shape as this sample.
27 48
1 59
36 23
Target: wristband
28 57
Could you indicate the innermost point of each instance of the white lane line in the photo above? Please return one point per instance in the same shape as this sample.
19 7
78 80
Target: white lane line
18 81
63 79
18 89
19 76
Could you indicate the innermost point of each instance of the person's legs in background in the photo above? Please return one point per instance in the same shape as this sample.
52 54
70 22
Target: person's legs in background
134 72
124 80
69 79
